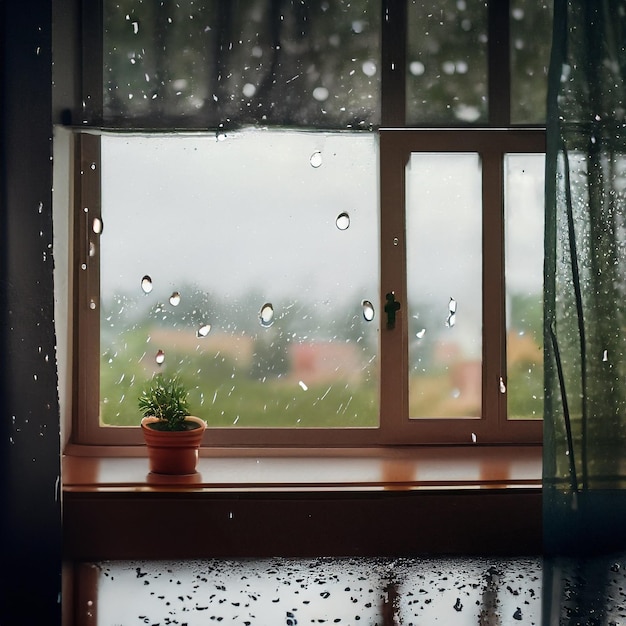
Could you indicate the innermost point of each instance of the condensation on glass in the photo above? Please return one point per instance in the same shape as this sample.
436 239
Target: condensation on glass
524 224
446 67
218 64
444 284
222 262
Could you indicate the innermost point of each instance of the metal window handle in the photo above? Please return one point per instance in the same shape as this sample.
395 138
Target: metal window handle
391 308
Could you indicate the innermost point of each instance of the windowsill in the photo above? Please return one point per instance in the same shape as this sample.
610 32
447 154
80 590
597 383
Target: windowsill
343 469
251 503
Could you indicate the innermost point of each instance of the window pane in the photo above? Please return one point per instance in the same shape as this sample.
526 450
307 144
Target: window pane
244 265
444 278
524 219
531 37
223 63
446 62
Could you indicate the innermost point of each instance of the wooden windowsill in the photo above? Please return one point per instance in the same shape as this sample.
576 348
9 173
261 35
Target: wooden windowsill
331 502
249 469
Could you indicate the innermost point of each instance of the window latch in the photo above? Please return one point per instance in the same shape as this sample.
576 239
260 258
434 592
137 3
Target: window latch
391 308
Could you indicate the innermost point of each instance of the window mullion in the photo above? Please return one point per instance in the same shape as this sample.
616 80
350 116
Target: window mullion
393 60
393 342
499 73
494 381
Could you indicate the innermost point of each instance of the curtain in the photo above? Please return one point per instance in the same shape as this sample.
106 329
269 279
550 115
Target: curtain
585 281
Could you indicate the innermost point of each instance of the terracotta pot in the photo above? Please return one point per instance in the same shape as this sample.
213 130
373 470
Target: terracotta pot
173 452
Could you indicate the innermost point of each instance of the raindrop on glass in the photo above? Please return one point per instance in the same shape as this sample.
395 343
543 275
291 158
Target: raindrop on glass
203 331
316 159
320 94
421 333
369 68
92 304
175 299
396 241
248 90
146 284
97 225
502 385
368 310
160 357
303 385
266 315
343 221
451 319
474 438
605 356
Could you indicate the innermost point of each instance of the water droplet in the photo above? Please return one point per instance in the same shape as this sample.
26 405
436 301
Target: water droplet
316 159
368 310
343 221
396 241
92 305
93 166
518 614
204 330
160 357
420 334
502 385
266 315
369 68
175 298
92 249
135 27
97 225
303 385
457 605
605 355
451 319
474 438
146 284
320 94
220 136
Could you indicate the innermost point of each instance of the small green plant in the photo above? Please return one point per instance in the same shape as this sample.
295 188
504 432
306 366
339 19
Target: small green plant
165 399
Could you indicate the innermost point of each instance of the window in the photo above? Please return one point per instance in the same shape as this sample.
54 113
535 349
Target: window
326 217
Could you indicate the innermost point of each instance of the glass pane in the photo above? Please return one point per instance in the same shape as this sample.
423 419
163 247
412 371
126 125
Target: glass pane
531 37
245 266
524 219
444 284
223 63
446 62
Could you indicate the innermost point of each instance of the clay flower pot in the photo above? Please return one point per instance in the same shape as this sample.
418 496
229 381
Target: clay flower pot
173 452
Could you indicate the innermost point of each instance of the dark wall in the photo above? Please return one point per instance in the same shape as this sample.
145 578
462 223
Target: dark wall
29 413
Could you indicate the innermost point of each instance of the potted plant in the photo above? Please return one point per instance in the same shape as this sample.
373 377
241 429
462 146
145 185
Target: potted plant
171 434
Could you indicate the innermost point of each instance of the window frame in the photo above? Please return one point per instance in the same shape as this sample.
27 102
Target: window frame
396 143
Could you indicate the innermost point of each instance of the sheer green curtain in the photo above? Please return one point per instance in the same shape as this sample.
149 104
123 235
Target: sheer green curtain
585 280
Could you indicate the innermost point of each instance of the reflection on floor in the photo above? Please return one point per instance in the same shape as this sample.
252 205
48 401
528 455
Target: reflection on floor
383 592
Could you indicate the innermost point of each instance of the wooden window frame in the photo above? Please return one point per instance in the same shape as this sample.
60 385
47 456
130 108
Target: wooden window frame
396 143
